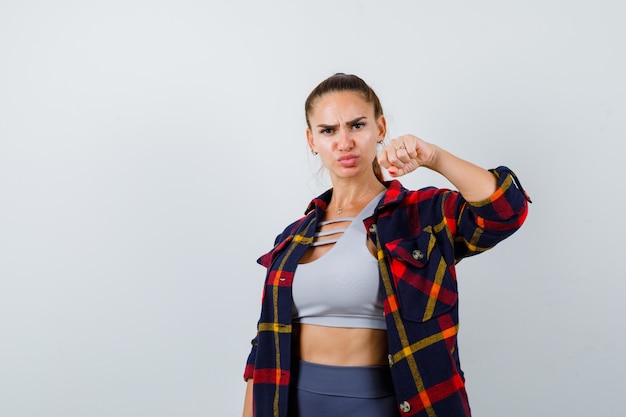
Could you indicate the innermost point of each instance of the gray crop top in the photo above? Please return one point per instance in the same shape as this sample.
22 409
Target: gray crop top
342 288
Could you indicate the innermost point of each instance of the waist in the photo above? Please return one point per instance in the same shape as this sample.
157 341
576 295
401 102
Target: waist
349 381
338 346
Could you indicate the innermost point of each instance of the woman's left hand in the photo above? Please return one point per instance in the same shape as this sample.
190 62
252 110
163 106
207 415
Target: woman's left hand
405 154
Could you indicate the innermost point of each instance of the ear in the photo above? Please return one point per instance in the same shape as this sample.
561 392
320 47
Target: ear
310 140
382 127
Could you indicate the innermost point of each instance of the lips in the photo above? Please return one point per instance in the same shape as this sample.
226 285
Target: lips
348 160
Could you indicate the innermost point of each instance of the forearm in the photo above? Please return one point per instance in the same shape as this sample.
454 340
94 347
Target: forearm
247 403
473 182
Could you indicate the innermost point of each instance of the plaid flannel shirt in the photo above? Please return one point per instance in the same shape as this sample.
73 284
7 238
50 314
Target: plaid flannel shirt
420 236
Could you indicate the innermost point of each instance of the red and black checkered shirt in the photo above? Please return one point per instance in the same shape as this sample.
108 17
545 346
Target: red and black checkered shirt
420 236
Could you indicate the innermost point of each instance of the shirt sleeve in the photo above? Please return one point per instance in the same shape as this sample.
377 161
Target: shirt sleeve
479 226
265 260
249 369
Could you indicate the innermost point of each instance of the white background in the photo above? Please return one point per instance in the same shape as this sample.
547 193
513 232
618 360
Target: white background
150 151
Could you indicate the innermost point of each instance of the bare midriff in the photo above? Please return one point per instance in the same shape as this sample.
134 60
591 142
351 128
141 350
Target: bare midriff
340 346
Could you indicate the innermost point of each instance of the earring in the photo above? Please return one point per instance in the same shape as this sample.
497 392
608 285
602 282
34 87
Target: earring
313 152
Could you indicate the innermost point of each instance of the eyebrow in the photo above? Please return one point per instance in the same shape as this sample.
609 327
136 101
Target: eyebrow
349 123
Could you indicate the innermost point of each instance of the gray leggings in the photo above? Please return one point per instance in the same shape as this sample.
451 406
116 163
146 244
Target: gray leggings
341 391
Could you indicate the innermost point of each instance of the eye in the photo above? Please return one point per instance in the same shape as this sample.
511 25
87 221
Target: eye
326 131
358 125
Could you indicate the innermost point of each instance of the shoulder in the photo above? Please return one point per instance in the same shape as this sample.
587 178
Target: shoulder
292 229
398 197
283 238
316 207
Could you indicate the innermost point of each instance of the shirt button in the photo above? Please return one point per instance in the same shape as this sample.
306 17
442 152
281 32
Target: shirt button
372 228
405 407
390 357
418 255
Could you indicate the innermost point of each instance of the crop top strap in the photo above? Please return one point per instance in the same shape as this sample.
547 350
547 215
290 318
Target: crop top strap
338 232
343 219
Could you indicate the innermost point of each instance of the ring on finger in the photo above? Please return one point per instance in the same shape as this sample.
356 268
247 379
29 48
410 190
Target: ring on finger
400 147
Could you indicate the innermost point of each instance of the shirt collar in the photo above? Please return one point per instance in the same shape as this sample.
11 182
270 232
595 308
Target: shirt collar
394 194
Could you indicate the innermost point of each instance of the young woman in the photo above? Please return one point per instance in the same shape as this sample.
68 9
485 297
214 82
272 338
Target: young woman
359 314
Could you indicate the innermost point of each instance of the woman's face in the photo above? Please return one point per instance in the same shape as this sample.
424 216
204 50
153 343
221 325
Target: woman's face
344 131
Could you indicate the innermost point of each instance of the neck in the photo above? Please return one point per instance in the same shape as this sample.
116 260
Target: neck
352 196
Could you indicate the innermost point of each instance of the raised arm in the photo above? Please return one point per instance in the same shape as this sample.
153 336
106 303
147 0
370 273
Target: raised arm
408 152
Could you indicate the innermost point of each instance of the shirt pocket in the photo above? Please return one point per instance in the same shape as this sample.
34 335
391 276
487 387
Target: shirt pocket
425 285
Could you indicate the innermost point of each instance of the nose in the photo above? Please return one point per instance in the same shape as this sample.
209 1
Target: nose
344 141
